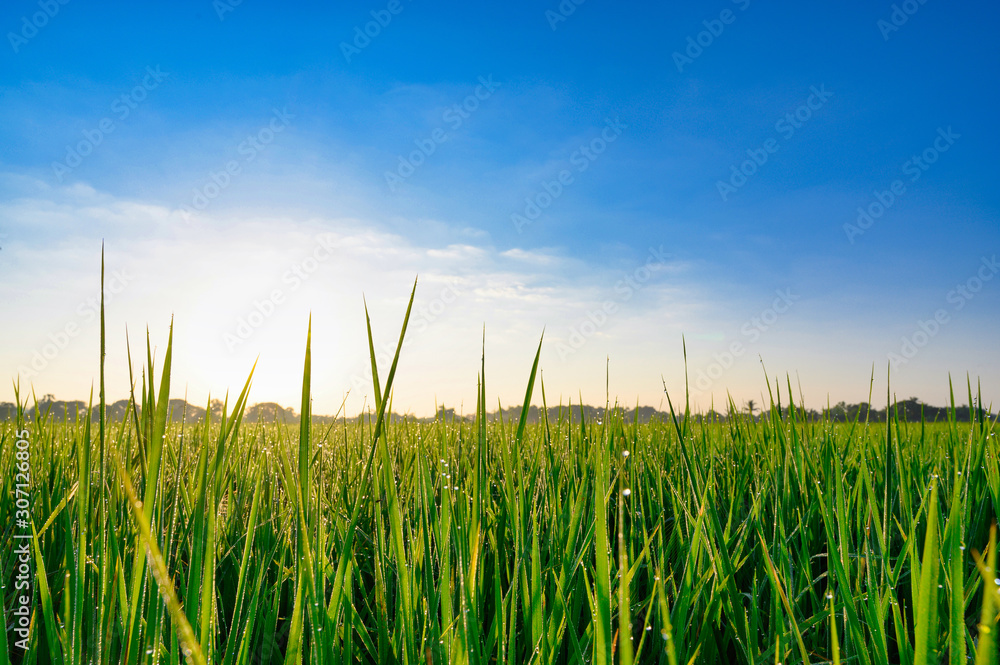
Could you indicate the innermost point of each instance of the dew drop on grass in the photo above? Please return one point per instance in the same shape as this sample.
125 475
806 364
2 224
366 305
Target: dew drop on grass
626 492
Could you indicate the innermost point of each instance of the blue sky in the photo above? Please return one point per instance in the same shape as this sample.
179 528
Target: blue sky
620 125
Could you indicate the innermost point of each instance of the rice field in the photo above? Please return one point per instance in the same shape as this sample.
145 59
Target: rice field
384 540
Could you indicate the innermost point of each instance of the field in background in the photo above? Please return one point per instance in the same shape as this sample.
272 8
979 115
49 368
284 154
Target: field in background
568 541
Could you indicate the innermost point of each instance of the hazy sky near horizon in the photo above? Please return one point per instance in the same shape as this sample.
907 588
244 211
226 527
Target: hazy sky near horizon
811 187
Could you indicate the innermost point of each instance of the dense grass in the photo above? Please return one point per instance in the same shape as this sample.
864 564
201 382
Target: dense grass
570 541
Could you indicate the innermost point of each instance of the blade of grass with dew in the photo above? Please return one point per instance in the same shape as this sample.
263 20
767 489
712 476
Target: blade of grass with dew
240 617
834 525
667 631
602 569
346 548
537 616
834 639
732 601
170 539
4 649
625 653
206 610
956 586
925 638
155 414
102 521
53 637
192 650
779 588
988 647
247 631
300 490
82 522
391 497
428 517
198 523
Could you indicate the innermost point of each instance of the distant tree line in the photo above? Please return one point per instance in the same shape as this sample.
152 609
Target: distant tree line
911 410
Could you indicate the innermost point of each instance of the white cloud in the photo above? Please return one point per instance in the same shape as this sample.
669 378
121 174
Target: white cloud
536 257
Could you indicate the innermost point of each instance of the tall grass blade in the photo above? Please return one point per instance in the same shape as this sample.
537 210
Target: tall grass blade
925 639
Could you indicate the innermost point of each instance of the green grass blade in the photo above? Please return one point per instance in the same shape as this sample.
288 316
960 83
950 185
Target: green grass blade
925 646
988 647
52 632
192 650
